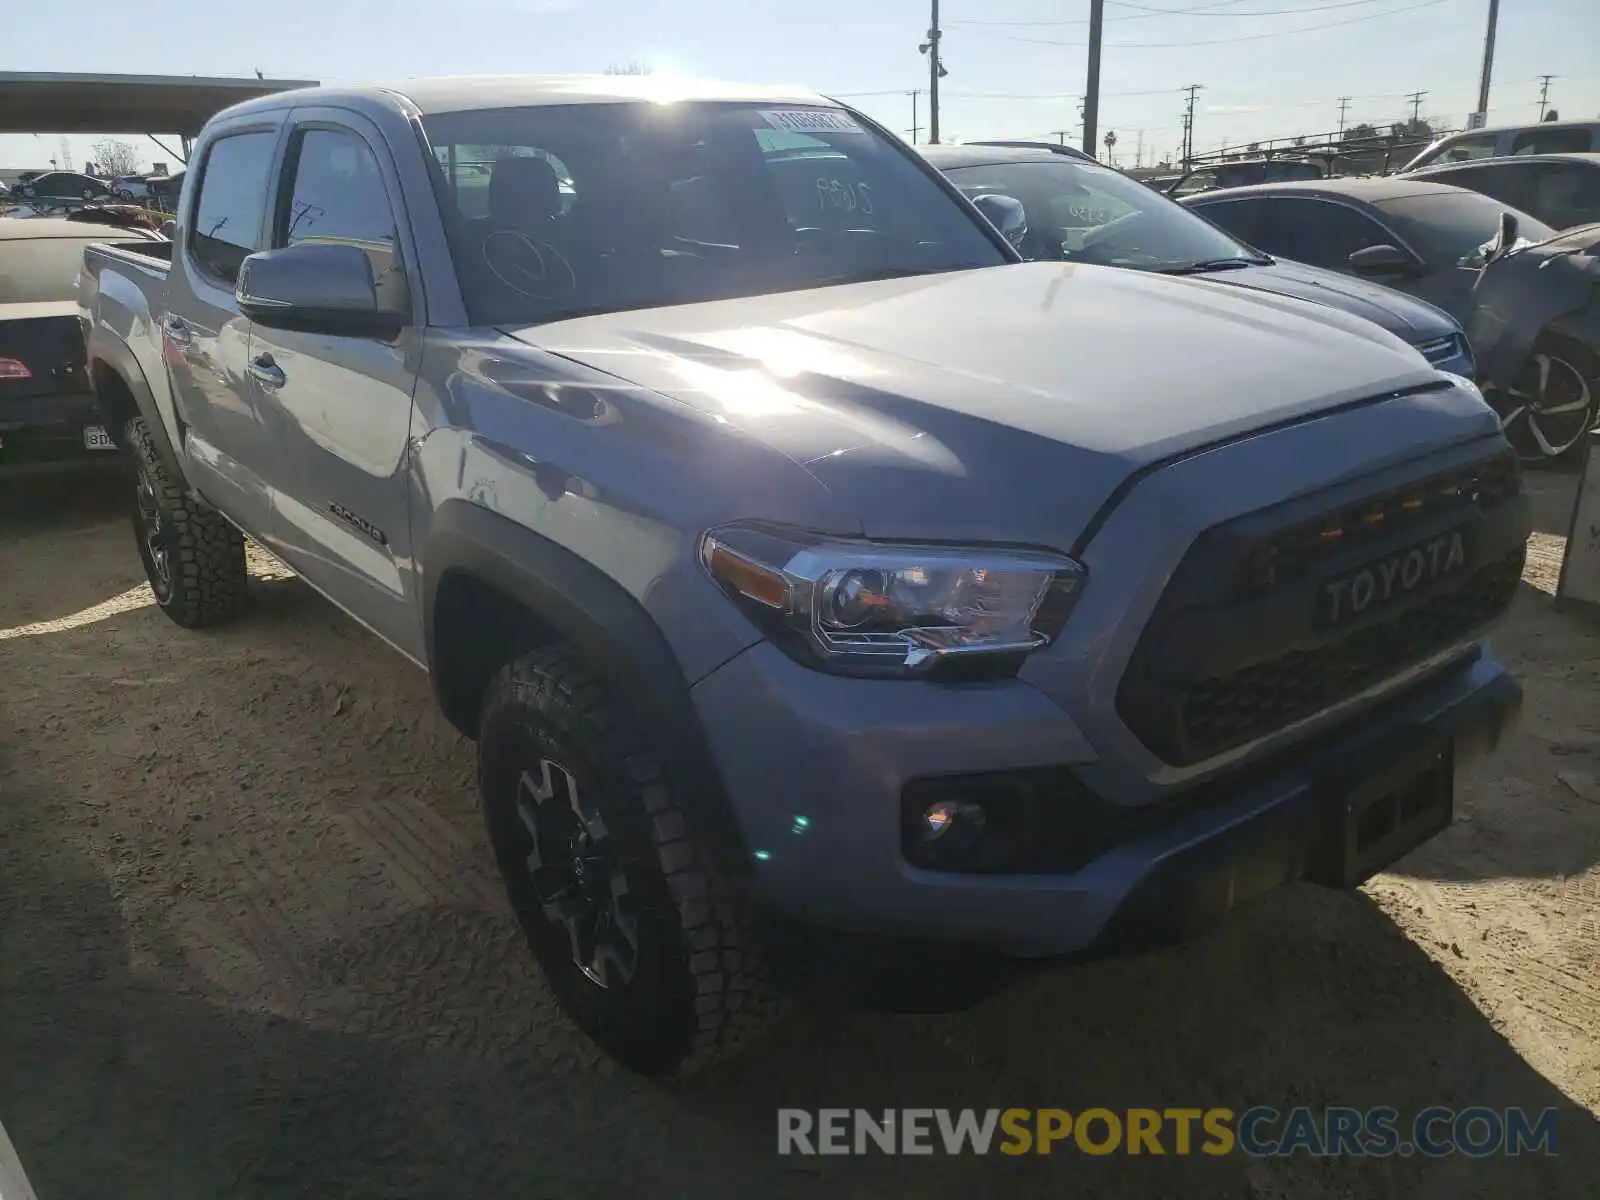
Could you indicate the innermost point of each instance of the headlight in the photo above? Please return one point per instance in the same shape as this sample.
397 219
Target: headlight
895 610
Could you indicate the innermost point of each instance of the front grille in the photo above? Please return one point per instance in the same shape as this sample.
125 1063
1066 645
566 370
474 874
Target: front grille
1290 555
1233 651
1227 711
1440 349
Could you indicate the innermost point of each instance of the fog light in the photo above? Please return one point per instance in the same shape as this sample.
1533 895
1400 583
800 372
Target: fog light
947 821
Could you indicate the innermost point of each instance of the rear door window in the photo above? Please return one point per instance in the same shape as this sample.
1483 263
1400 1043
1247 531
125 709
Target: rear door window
1552 141
230 211
1242 218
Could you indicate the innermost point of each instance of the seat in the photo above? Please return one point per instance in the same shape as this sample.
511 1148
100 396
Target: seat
524 194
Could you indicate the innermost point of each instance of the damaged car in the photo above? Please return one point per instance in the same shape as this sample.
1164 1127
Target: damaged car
1526 295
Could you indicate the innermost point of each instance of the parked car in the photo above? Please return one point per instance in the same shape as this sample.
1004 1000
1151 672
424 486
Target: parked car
841 585
162 191
1051 147
1243 173
1536 338
1083 212
130 187
1562 190
62 186
1548 137
47 412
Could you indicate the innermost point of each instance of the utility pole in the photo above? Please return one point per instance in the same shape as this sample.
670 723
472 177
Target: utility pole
1416 104
936 72
1544 94
1479 118
1193 90
1061 136
1344 107
916 128
1138 153
1091 103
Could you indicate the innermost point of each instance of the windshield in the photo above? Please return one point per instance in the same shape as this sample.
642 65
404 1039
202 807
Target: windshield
1079 212
1448 227
559 210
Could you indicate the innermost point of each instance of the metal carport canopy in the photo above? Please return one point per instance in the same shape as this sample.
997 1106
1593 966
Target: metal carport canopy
44 102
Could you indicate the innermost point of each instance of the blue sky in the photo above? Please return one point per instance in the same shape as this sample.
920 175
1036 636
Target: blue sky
1270 67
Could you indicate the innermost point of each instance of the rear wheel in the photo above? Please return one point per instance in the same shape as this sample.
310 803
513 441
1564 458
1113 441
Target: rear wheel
1554 402
193 558
645 942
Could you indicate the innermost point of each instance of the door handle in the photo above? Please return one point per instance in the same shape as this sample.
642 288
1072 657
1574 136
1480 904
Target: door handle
177 332
266 372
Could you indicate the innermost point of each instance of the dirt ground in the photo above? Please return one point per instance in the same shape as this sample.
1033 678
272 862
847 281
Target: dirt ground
251 945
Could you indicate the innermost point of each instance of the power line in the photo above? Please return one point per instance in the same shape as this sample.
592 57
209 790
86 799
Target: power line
1416 104
1205 11
1188 123
1252 37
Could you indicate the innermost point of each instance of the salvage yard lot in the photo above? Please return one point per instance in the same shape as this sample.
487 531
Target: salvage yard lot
251 944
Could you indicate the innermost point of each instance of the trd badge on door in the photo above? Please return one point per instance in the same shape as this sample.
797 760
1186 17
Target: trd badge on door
365 526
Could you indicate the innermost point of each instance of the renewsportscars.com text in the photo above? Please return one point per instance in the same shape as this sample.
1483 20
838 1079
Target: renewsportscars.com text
1258 1132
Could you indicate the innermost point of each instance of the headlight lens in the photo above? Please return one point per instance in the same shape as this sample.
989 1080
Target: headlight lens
895 610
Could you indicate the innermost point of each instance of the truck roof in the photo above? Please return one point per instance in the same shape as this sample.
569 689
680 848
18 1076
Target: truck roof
457 93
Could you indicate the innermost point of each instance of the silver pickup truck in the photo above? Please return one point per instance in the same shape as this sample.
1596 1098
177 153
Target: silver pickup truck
812 574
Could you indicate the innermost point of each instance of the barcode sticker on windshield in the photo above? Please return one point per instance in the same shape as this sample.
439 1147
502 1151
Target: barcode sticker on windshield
811 120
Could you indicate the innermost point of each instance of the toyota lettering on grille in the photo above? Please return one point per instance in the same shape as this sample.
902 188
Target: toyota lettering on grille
1388 580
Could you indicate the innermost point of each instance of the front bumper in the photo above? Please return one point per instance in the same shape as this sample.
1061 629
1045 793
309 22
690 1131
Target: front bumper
814 767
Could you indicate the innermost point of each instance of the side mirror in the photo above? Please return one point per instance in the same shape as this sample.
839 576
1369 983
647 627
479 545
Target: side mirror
315 287
1505 237
1382 259
1006 214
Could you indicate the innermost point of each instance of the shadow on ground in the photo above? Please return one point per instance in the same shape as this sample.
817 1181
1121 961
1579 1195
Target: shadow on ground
112 1083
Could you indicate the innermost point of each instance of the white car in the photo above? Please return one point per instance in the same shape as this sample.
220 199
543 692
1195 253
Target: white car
13 1179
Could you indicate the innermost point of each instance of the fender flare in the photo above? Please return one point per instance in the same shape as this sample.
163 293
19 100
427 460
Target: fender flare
609 629
104 349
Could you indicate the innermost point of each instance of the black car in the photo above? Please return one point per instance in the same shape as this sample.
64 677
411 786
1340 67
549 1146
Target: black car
47 410
1535 332
1080 211
63 185
1562 190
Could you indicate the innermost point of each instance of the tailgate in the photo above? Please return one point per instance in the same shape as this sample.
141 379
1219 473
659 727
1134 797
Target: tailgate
40 356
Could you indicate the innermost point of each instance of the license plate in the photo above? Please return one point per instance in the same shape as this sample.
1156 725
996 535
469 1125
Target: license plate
1378 818
1386 581
96 438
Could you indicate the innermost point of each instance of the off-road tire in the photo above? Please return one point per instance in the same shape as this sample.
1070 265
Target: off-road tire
699 992
205 579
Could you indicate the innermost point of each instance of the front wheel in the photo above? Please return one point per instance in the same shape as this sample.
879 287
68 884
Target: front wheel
1554 402
193 558
646 943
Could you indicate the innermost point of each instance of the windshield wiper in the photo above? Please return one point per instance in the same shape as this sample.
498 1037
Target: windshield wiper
1206 265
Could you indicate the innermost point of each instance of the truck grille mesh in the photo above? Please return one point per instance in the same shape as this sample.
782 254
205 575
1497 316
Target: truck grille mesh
1187 720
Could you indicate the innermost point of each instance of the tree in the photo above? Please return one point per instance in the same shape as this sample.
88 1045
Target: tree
1416 127
1111 144
1357 132
631 67
1552 115
116 157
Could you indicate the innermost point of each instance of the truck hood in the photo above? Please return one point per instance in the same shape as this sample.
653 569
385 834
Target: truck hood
1012 398
1408 318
